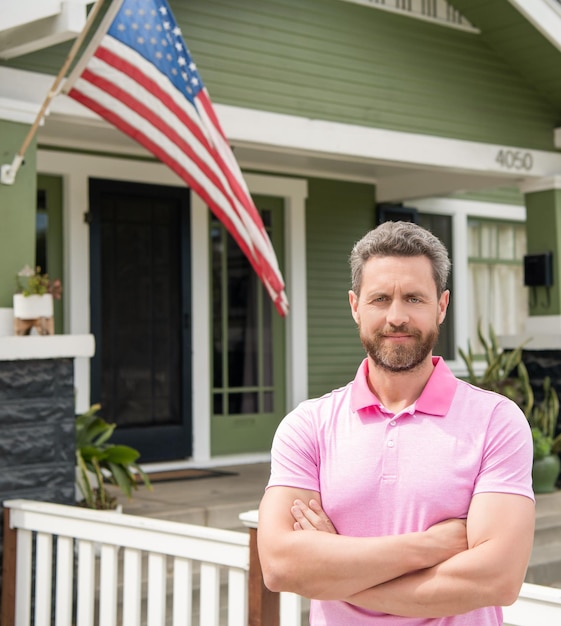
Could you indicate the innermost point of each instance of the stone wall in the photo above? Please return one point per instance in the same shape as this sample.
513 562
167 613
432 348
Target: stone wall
37 433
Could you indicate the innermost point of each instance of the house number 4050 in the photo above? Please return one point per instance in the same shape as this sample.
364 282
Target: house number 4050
515 160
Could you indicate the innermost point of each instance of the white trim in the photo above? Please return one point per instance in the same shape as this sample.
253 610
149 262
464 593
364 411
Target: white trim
294 192
335 139
420 11
25 12
46 347
54 23
541 184
200 316
544 15
17 111
544 324
76 169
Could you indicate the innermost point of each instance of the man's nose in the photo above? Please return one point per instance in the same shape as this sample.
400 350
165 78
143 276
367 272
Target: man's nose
397 314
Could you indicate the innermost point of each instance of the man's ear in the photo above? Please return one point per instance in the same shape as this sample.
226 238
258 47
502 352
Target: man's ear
443 305
353 301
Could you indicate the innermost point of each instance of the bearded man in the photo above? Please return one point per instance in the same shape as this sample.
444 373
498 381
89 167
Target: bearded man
405 497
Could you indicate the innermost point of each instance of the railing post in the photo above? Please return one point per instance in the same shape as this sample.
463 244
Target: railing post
264 605
8 572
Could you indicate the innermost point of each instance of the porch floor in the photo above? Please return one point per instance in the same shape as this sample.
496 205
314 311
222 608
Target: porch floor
216 501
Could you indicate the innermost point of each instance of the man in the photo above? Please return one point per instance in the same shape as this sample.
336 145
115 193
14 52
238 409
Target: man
418 483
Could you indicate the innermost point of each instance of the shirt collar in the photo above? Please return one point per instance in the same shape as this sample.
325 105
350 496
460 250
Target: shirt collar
435 398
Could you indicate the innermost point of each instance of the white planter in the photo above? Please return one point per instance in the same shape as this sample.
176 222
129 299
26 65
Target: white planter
33 307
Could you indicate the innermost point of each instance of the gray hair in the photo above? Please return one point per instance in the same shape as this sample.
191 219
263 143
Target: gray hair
400 239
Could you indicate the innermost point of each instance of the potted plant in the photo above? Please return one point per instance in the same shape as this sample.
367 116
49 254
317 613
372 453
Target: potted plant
33 301
98 461
543 421
506 373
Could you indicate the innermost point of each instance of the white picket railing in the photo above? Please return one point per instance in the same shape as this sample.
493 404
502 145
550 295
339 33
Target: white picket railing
536 606
127 584
83 567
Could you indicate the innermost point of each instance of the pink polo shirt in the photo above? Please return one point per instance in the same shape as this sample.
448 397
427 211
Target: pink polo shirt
384 474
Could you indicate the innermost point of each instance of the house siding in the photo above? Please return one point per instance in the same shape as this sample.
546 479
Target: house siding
342 62
17 205
337 215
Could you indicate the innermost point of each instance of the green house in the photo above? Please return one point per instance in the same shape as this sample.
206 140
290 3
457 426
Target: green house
341 113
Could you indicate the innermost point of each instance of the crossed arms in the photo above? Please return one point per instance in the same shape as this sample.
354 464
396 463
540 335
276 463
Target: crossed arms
451 568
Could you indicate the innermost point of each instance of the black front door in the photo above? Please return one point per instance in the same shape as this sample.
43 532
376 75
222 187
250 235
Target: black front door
141 315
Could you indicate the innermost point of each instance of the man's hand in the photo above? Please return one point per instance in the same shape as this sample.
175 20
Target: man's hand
311 517
451 535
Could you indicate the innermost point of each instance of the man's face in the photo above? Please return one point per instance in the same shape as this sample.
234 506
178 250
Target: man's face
398 312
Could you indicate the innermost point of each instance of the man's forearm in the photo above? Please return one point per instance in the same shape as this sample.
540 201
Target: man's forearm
332 567
468 581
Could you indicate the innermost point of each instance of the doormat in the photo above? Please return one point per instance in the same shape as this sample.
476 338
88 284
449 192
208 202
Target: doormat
183 474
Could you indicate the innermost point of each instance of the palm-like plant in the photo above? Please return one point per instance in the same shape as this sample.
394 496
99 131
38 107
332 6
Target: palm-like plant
98 461
506 373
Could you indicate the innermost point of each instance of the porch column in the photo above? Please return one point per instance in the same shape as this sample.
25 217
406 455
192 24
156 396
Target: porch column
17 209
543 234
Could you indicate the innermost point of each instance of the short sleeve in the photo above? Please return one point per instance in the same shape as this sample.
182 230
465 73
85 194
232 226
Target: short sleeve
507 459
294 454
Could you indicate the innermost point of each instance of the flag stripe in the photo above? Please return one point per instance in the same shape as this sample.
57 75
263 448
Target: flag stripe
140 77
117 55
121 88
186 169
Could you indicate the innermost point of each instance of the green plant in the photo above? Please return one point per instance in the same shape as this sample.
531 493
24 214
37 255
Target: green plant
506 373
32 282
98 461
543 421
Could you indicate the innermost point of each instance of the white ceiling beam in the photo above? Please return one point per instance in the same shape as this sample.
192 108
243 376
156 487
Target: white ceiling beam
53 28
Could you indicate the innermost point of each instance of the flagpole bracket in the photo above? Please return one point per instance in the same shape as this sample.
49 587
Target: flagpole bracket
8 172
7 175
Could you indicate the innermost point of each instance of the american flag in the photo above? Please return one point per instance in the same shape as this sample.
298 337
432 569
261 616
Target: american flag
138 75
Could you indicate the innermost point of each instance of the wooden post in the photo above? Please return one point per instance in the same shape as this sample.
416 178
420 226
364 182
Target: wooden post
8 573
264 605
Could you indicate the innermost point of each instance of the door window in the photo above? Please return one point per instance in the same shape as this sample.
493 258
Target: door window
247 346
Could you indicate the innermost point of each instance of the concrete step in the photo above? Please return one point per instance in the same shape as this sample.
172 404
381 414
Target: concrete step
545 565
548 529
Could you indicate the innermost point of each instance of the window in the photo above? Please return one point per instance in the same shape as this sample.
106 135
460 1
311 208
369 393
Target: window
242 330
496 285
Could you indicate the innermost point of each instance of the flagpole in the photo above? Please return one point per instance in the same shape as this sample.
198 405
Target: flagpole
8 172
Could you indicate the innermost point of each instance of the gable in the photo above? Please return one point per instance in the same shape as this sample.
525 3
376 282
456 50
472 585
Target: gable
524 49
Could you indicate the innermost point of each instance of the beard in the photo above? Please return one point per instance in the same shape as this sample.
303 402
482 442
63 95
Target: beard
400 358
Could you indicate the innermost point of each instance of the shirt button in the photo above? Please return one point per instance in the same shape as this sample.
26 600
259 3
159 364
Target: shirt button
390 444
392 423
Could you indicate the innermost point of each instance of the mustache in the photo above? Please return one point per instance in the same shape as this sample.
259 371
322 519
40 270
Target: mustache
401 329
